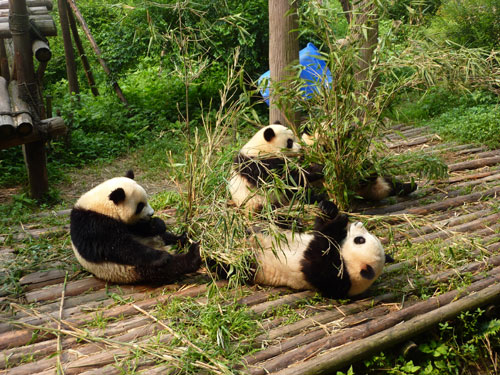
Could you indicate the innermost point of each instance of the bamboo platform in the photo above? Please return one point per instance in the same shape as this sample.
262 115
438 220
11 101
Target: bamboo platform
330 335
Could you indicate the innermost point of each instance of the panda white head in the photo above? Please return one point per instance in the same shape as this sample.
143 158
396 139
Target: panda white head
363 257
271 140
120 198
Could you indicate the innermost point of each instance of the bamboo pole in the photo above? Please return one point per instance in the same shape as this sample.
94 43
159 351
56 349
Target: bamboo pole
97 50
474 164
355 351
79 47
7 128
68 48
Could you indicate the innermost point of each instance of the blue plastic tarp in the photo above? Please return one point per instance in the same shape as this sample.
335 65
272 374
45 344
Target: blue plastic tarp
315 73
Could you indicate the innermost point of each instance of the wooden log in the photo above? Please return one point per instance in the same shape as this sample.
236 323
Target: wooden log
46 26
97 50
332 360
258 297
413 142
371 327
4 4
7 128
34 18
79 47
41 50
290 299
44 348
48 128
4 62
474 164
23 121
72 289
68 48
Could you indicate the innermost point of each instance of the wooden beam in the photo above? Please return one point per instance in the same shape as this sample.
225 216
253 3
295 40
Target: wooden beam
4 4
7 128
49 128
46 26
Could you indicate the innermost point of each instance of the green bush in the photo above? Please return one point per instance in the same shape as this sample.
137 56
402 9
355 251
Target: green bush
471 23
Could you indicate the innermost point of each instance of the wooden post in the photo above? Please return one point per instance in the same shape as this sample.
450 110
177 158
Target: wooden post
81 52
68 48
96 49
4 62
34 153
283 51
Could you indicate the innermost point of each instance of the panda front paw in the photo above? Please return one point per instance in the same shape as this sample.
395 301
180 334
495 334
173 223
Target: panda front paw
328 208
157 226
162 261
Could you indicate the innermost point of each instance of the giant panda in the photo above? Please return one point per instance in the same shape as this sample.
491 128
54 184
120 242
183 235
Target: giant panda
374 187
338 259
109 226
263 156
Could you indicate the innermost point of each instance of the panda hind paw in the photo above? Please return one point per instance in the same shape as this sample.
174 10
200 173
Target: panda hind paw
328 208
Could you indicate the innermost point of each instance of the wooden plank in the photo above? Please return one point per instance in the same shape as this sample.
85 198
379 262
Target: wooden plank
351 352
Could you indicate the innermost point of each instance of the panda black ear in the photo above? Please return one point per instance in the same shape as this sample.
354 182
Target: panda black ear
269 134
117 195
130 174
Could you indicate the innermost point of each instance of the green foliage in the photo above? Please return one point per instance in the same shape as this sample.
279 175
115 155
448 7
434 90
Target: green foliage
470 23
479 125
409 11
455 348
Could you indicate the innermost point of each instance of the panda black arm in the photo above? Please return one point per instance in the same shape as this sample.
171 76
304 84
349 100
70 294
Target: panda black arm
256 170
148 228
99 238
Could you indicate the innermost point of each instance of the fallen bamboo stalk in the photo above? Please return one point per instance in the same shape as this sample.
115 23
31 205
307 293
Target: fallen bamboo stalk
59 367
352 352
367 329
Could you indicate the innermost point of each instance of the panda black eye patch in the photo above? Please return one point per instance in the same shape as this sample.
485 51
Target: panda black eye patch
289 143
139 208
359 240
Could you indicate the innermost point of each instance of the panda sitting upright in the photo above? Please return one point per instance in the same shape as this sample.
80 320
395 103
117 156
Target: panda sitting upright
109 226
337 259
264 155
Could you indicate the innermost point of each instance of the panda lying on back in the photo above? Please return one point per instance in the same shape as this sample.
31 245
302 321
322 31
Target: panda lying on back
337 259
264 155
109 226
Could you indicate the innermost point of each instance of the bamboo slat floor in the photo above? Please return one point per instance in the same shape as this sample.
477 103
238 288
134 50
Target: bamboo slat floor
462 209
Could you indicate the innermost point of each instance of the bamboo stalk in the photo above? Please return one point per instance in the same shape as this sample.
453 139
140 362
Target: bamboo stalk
59 367
68 48
97 50
352 352
290 299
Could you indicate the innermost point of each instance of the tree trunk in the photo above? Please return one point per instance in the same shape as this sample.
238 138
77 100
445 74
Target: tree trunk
283 51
